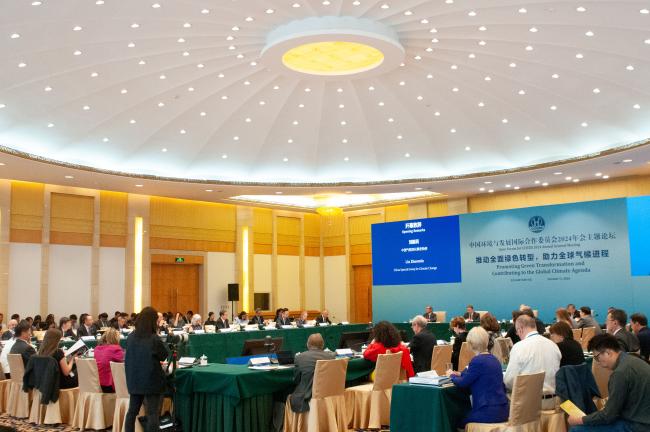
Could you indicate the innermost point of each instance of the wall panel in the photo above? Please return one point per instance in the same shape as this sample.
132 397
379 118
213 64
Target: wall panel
113 227
288 282
312 228
335 282
333 229
27 204
69 279
71 219
262 231
220 268
112 268
288 235
312 283
24 279
263 273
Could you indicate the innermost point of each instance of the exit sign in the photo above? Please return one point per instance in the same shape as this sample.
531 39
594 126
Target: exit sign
179 260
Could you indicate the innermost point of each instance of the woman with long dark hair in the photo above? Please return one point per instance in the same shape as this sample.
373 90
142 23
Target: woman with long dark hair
386 338
50 347
145 377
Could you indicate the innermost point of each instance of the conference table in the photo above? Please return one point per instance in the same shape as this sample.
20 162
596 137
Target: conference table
220 346
234 398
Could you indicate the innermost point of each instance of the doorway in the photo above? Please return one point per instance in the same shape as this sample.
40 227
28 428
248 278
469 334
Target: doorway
175 287
362 277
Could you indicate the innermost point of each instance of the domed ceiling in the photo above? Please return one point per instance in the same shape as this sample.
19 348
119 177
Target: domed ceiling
323 93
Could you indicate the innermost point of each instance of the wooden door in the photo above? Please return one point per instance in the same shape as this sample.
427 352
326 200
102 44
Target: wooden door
175 287
362 293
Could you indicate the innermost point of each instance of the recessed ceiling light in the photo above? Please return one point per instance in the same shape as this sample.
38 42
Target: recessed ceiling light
647 41
142 62
205 11
286 159
537 182
452 130
513 65
454 67
504 121
471 55
402 83
526 138
269 11
344 140
508 186
164 150
278 193
584 124
69 177
47 89
14 36
208 190
490 190
596 90
2 106
487 182
580 56
182 131
482 28
385 6
481 104
629 67
341 106
22 64
407 155
381 104
408 13
545 184
424 21
248 120
50 125
468 148
200 65
627 160
135 25
488 78
36 3
399 137
575 180
155 5
105 139
86 108
132 121
235 138
522 10
529 48
295 123
553 108
516 188
605 177
557 173
190 89
568 178
589 33
636 106
471 13
185 53
76 53
522 92
346 159
131 45
481 189
295 5
235 28
555 76
224 156
644 11
139 185
203 114
533 29
581 9
598 174
482 43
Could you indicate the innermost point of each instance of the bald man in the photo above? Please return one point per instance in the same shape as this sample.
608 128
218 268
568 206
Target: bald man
303 375
323 318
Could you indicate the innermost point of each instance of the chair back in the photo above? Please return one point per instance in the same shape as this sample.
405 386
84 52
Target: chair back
601 375
39 365
39 335
526 401
387 370
440 358
577 334
16 367
587 334
466 355
119 380
329 378
88 376
501 349
441 316
481 313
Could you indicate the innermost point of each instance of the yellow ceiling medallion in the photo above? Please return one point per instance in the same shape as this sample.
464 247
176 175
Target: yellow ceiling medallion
329 211
333 58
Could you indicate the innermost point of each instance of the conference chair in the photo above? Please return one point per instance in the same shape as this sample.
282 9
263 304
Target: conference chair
525 407
441 316
440 358
466 355
587 334
601 375
94 408
577 334
59 412
368 405
19 401
327 411
5 385
39 335
501 349
121 399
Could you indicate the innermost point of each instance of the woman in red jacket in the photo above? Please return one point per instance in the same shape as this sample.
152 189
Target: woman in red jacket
386 338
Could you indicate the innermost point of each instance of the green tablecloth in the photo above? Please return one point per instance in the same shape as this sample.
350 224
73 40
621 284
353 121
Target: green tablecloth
219 346
233 398
426 408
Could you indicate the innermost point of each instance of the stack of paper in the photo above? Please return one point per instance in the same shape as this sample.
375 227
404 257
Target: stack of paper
426 378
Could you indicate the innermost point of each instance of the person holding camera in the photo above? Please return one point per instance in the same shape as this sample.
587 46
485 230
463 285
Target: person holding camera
145 378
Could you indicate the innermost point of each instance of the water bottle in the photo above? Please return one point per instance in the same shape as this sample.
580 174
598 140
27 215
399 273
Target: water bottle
203 360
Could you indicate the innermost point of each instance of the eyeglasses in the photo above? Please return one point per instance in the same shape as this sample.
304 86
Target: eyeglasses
597 356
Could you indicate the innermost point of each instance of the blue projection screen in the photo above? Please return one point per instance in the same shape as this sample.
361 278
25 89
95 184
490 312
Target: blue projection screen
424 251
638 219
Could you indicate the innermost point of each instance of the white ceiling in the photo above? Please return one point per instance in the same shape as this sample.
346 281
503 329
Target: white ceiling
487 87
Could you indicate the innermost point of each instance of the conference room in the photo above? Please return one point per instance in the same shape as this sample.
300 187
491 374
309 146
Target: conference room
324 215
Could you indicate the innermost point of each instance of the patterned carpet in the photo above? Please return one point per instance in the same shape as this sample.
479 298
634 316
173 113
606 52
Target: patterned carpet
9 424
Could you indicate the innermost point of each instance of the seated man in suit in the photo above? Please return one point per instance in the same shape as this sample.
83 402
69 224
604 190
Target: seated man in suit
303 376
283 318
586 320
222 322
639 325
616 321
87 327
103 320
471 315
302 320
421 345
258 318
22 346
10 330
323 318
429 315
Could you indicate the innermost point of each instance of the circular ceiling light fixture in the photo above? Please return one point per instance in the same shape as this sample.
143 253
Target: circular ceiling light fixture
333 47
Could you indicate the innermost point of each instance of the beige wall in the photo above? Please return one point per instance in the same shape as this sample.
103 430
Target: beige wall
303 260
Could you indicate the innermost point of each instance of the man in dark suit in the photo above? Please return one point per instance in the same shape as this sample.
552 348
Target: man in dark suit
429 315
103 320
22 346
471 315
586 320
258 318
303 375
639 325
616 320
421 345
222 322
87 327
323 318
283 318
11 326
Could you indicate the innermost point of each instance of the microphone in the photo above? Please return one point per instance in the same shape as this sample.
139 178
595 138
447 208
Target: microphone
268 344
